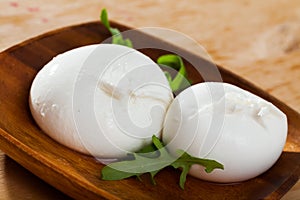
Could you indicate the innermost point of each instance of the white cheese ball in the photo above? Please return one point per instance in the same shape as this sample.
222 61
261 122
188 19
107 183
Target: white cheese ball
106 100
225 123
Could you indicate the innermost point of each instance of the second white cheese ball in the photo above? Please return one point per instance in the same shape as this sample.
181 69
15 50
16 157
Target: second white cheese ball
225 123
106 100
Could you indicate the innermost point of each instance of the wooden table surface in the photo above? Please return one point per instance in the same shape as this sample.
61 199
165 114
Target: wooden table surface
259 40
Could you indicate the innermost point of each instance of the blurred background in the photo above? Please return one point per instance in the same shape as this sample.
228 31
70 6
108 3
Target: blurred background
258 40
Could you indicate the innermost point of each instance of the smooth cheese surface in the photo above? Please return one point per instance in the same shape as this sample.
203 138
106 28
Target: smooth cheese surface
225 123
105 100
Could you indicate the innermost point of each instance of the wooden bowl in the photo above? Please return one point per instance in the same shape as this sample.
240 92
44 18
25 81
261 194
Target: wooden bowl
78 175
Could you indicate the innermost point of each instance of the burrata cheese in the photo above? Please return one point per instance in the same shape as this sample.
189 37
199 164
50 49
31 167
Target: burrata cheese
222 122
106 100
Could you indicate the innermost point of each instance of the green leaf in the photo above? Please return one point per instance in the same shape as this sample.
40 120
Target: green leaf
144 164
157 143
180 81
184 172
141 164
185 161
168 76
154 157
104 19
109 173
148 149
153 173
117 37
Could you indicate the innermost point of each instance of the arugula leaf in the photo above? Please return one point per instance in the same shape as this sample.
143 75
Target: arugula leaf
185 162
117 37
145 164
180 81
154 157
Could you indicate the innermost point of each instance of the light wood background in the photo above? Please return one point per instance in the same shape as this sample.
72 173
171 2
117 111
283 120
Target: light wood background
259 40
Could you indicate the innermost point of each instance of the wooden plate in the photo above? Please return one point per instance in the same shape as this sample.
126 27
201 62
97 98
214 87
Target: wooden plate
78 175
